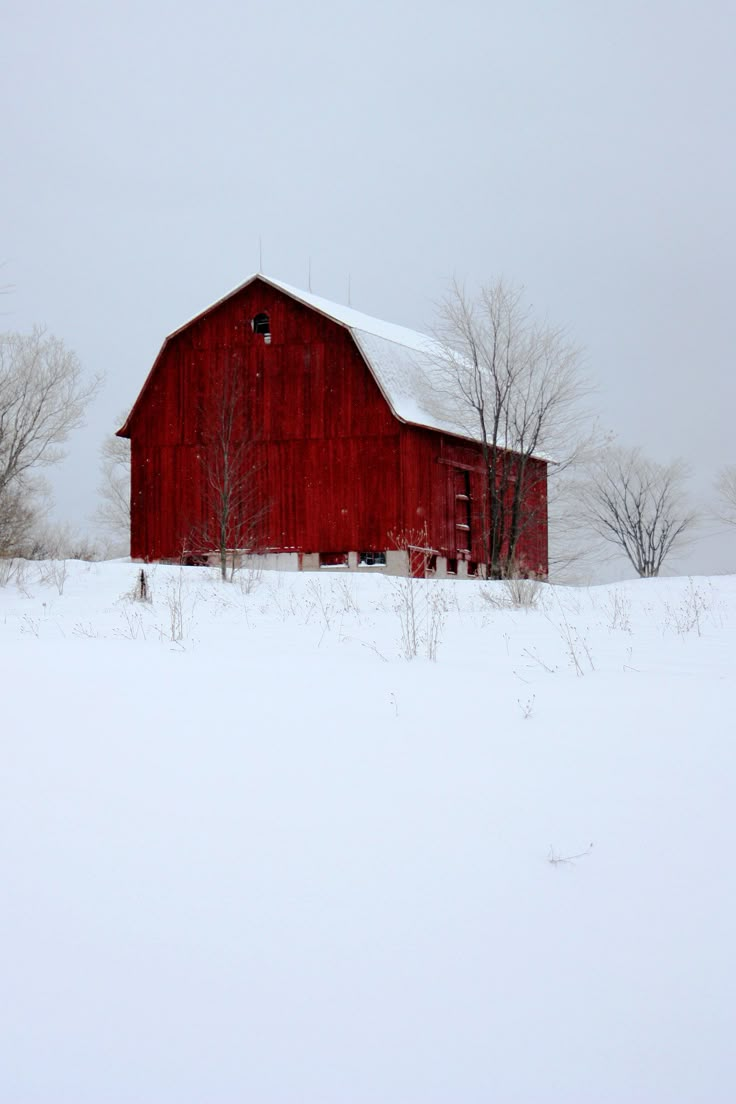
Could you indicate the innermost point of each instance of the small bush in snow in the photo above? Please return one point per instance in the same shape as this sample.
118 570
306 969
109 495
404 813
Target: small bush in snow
346 593
320 603
576 644
180 606
31 625
526 707
134 629
618 608
422 611
248 579
54 574
556 859
12 570
691 613
513 593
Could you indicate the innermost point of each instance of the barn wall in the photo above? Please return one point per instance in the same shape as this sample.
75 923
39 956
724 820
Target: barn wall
322 441
435 467
534 546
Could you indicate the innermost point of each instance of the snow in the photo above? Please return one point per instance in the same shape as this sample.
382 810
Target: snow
356 320
274 860
405 376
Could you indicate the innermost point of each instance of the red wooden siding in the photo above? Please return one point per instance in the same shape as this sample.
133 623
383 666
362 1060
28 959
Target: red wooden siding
335 470
431 465
325 446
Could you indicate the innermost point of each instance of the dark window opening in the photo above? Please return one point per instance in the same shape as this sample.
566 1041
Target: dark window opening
452 567
333 559
372 559
260 324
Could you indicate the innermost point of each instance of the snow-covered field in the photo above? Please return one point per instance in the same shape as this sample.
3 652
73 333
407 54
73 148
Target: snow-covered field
251 852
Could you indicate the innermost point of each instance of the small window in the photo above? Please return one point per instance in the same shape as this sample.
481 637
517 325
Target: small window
333 559
372 559
260 324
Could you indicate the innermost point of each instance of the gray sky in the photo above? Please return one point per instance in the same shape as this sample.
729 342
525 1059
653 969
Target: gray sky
583 149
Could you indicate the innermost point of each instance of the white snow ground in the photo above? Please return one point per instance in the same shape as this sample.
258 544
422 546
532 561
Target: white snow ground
274 861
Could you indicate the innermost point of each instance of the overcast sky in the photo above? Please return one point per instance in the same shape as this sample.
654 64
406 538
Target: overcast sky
584 149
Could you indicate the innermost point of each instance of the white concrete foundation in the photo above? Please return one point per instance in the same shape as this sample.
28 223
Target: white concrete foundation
267 561
397 562
441 568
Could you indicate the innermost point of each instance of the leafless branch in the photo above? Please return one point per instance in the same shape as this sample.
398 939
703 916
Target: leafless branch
235 510
114 486
515 385
43 395
726 491
639 506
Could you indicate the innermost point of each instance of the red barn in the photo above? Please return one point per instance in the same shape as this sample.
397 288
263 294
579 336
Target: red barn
320 421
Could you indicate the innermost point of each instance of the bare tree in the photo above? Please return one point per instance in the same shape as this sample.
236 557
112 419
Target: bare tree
639 506
114 487
20 512
43 395
230 463
726 491
514 384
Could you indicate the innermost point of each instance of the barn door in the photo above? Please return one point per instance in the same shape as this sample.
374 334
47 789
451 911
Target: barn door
461 501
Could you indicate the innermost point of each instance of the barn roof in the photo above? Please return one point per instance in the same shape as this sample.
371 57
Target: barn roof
402 361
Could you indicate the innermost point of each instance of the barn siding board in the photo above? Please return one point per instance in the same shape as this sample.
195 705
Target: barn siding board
429 460
336 471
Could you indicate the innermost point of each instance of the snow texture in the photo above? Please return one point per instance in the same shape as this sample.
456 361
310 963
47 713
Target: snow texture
250 852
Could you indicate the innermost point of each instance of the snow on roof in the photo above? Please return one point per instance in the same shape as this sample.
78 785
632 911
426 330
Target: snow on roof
405 364
354 319
403 361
